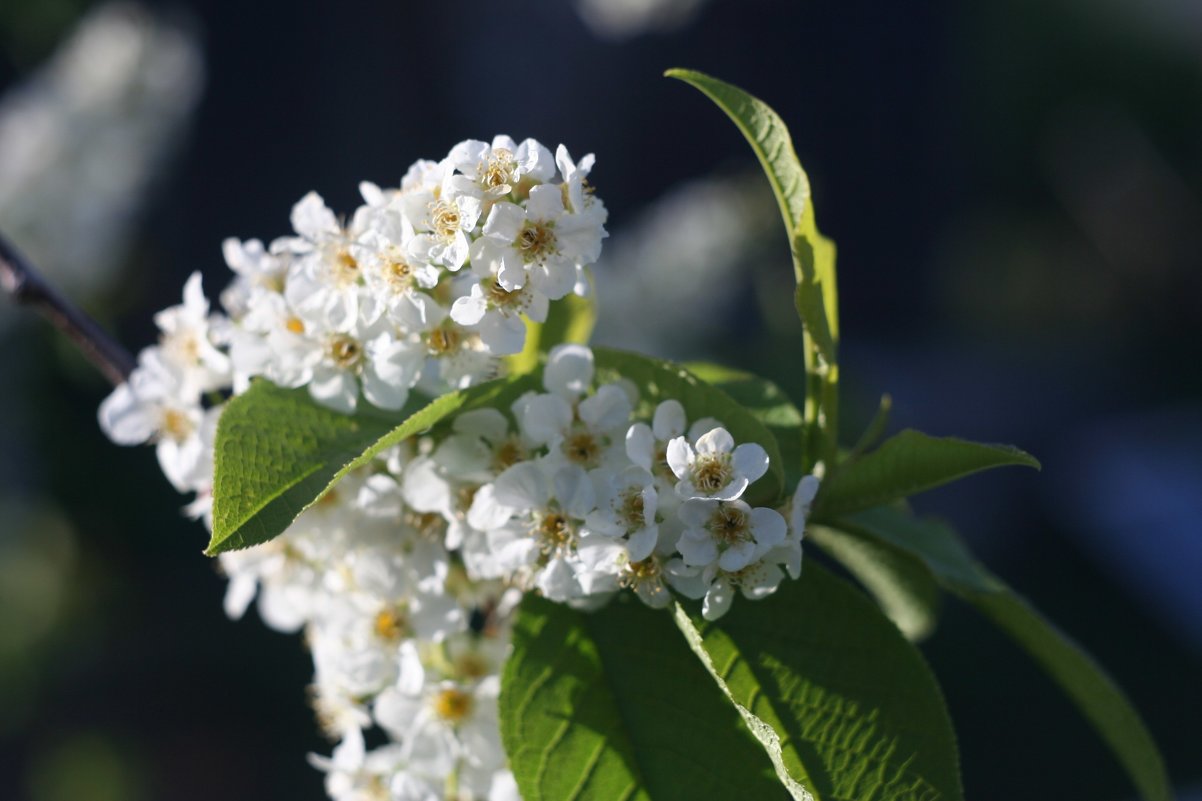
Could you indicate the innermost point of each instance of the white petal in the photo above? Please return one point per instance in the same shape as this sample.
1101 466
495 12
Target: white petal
697 548
522 486
469 310
680 456
557 581
607 410
574 491
717 600
803 496
716 440
642 543
312 220
545 203
336 389
669 420
640 445
544 417
503 334
535 160
768 528
696 512
737 556
750 460
125 419
488 423
486 512
504 222
569 370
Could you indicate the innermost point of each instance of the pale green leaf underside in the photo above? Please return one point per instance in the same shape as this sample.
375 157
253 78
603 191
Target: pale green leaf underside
612 705
845 705
1094 693
659 380
908 463
277 451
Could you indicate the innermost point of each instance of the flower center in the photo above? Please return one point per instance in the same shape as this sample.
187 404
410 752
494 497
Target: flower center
536 241
176 425
554 532
498 172
295 325
186 345
428 525
471 665
390 625
508 453
345 351
502 298
444 218
646 574
442 341
730 524
582 448
452 705
712 472
346 267
632 510
397 272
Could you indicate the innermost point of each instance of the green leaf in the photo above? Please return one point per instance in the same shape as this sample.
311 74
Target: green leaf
875 430
1094 692
905 464
569 319
277 451
901 584
613 705
845 706
659 380
816 297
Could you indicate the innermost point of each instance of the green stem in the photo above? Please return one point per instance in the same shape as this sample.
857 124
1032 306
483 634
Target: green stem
821 408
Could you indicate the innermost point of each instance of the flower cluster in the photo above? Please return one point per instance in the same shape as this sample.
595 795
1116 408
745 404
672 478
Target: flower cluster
428 282
405 575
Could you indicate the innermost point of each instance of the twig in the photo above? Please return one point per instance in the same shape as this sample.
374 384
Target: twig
19 279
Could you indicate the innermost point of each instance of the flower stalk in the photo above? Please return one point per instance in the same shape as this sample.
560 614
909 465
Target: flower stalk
26 287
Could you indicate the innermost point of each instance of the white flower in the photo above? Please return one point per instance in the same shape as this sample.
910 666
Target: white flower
256 269
186 343
531 522
728 533
392 276
539 243
716 469
756 581
159 401
443 221
788 553
626 505
355 774
457 721
498 169
497 313
577 430
325 285
647 445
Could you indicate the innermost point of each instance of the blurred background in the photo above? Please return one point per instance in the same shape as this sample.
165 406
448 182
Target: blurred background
1015 187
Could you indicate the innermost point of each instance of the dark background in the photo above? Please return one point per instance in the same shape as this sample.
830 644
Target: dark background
1014 188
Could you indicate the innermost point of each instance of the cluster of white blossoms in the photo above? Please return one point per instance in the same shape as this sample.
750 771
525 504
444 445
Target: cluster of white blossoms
405 575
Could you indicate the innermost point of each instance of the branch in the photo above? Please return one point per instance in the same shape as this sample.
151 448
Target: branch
19 279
